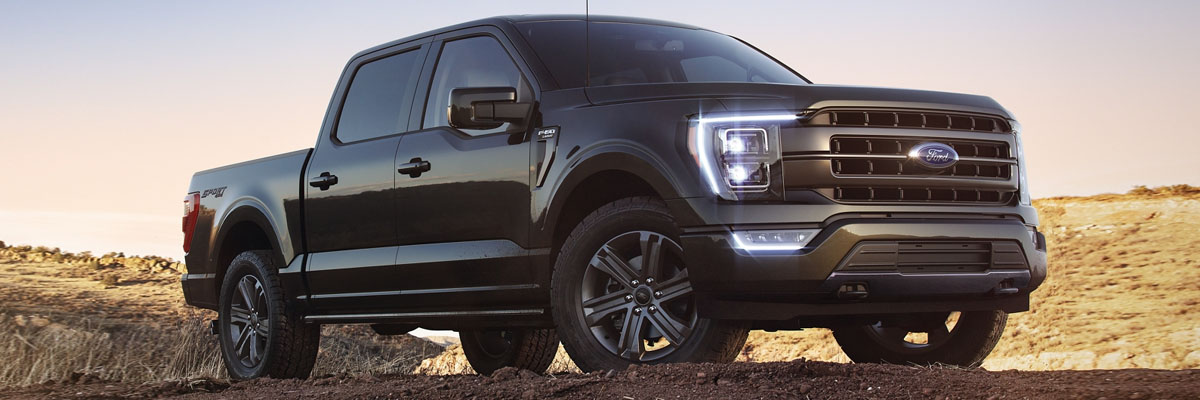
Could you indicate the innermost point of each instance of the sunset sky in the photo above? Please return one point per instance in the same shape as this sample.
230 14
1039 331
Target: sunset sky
107 108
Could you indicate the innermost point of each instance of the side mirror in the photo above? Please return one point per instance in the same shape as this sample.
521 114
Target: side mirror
487 108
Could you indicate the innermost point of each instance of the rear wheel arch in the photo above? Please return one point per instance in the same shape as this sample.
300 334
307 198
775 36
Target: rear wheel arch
244 229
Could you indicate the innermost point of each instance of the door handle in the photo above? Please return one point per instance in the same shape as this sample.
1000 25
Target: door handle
324 181
414 167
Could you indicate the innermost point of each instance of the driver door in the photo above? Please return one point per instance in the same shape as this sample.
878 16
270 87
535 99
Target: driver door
463 222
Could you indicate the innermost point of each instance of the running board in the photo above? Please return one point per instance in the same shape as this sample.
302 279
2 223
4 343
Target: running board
427 314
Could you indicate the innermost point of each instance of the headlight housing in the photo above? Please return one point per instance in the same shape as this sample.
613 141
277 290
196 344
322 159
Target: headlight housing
1022 175
739 156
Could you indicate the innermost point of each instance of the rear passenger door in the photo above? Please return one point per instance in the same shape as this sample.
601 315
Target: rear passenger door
463 225
350 182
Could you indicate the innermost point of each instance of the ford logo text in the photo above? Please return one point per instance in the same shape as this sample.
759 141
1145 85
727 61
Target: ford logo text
933 155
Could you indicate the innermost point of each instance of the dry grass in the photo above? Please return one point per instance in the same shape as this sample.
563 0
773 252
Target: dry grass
76 317
38 349
356 350
35 350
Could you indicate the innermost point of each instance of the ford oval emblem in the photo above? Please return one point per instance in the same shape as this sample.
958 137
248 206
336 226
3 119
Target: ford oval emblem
933 155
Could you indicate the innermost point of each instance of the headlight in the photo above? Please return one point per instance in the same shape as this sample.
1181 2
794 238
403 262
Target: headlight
1022 175
739 156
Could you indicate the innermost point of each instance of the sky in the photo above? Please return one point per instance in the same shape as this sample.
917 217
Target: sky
107 108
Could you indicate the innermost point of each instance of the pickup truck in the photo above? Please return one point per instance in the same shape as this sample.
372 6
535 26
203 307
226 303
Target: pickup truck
644 191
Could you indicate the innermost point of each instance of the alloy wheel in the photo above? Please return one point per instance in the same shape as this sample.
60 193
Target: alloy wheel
249 321
636 297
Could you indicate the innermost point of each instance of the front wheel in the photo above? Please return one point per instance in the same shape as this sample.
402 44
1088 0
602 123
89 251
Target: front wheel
260 335
962 339
621 293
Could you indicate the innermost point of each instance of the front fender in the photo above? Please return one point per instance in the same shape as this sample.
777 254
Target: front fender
614 155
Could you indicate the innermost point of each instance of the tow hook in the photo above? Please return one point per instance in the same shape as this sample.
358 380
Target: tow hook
1005 287
853 291
212 326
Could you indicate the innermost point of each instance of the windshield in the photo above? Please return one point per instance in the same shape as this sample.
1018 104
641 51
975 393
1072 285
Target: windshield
626 54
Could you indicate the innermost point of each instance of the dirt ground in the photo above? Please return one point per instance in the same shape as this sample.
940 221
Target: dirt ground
798 379
1116 319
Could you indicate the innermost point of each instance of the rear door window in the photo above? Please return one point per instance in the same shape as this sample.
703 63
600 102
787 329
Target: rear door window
380 98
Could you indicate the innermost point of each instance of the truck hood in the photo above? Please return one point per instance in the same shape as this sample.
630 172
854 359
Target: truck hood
754 97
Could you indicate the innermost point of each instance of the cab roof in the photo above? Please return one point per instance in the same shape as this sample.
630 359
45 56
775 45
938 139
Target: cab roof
509 20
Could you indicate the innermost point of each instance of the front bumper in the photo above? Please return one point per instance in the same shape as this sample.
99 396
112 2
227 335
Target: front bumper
731 283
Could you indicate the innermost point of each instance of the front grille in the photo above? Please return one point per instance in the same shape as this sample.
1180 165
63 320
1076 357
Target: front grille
934 257
888 156
921 194
901 145
910 119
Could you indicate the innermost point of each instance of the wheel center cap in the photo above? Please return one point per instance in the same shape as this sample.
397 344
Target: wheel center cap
642 295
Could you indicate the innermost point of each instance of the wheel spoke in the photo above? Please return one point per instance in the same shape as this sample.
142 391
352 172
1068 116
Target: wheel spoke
260 296
652 246
254 352
604 306
245 288
631 344
938 334
675 287
611 263
894 333
672 329
243 337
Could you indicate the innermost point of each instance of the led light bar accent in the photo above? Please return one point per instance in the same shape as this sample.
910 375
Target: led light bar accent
773 240
704 152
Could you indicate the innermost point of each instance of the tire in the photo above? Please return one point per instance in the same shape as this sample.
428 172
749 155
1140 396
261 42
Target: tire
490 350
966 343
278 345
632 303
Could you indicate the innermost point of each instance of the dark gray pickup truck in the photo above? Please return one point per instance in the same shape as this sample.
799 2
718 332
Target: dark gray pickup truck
643 191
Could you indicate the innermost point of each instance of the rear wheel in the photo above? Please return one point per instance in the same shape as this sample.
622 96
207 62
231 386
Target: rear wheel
260 335
490 350
622 296
959 338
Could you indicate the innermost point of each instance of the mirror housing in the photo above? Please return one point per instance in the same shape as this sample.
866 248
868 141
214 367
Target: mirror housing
487 108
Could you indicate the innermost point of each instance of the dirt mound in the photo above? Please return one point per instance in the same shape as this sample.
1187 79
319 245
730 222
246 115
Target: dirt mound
798 379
